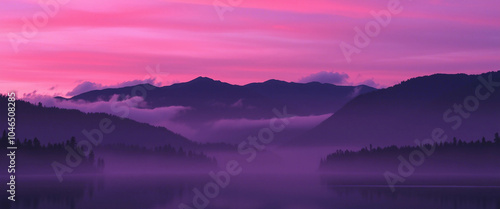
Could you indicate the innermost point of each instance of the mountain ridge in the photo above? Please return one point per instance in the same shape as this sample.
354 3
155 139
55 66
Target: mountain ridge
407 111
256 99
51 124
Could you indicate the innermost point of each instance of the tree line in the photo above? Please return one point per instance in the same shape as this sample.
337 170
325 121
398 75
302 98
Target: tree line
456 146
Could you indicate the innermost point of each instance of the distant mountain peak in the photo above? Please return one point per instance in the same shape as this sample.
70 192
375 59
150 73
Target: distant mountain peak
202 79
60 98
148 85
274 81
399 114
203 82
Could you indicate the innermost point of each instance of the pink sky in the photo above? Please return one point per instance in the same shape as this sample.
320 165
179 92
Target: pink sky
114 41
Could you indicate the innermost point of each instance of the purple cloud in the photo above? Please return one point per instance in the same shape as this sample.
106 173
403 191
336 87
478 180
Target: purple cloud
326 77
372 83
217 130
84 87
339 79
87 86
162 116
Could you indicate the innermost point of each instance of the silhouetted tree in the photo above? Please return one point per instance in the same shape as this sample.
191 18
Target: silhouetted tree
455 147
36 143
72 142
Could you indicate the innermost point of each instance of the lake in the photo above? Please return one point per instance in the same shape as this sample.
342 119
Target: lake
255 191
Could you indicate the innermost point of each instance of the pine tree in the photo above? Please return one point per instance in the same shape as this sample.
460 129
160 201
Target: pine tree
36 143
72 142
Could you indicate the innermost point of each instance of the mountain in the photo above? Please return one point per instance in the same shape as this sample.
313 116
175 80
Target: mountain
210 99
215 111
310 98
412 110
58 125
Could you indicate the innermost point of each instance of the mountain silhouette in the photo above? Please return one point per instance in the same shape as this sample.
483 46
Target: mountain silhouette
412 110
211 99
311 98
54 125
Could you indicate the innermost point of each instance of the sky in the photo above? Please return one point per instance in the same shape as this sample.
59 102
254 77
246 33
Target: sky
54 47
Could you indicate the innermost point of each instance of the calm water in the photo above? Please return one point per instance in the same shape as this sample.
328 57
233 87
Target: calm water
243 192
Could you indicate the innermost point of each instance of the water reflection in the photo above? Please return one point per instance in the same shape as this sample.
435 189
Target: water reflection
245 192
418 197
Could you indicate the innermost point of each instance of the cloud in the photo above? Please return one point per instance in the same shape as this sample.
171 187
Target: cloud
87 86
285 37
236 130
326 77
128 108
84 87
372 83
217 130
340 79
295 122
355 92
